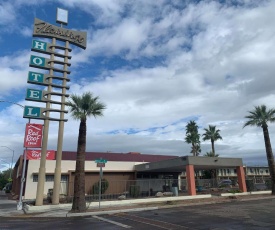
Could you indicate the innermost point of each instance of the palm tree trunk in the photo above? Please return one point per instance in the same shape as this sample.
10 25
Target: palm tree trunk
270 157
213 148
79 203
193 150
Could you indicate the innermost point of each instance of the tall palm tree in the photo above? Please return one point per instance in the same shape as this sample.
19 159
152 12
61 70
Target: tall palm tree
193 137
260 116
212 134
82 107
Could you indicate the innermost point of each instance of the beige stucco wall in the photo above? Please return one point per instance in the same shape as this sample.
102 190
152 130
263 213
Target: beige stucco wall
33 168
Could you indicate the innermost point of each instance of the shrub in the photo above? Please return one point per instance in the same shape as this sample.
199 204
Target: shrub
134 190
268 184
104 186
250 185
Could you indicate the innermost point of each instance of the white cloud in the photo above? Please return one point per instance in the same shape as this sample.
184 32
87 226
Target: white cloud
206 61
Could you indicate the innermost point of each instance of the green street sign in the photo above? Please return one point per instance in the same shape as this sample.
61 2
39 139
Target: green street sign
34 95
101 161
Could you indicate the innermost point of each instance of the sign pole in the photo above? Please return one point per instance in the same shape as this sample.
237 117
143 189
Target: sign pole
100 178
100 163
20 204
57 175
78 38
42 169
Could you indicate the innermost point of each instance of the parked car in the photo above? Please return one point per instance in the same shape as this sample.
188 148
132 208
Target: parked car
225 183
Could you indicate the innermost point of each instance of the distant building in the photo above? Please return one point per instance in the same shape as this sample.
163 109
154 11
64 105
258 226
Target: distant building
123 169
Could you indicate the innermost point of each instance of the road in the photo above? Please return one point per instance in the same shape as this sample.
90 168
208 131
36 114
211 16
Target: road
252 215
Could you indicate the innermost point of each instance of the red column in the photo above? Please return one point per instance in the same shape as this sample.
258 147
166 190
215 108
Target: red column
190 177
241 179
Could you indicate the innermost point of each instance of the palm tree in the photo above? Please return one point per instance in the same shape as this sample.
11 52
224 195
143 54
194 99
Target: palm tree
82 107
193 137
212 134
260 116
211 154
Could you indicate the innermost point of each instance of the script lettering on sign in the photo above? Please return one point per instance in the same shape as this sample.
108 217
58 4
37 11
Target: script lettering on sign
44 29
33 136
36 155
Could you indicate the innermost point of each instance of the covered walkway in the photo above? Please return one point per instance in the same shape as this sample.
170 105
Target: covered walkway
190 164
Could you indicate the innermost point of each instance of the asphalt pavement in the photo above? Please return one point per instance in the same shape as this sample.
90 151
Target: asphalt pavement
242 214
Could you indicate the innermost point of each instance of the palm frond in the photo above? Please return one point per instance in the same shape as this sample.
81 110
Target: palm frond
260 116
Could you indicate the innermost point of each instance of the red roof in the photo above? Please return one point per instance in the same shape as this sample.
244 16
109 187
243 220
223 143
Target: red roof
130 157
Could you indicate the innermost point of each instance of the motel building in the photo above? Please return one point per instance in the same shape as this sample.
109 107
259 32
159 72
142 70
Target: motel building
132 174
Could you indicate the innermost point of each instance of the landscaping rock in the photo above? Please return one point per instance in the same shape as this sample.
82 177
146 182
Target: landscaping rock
168 194
122 197
159 194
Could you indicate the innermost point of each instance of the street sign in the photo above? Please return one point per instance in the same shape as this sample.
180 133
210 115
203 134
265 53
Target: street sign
100 161
100 165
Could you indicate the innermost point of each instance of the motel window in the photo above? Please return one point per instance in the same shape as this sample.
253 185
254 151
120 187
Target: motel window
64 178
50 178
266 171
35 178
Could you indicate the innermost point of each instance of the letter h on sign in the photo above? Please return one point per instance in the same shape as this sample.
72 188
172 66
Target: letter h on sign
39 45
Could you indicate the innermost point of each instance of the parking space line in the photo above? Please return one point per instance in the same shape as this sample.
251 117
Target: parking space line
152 222
112 222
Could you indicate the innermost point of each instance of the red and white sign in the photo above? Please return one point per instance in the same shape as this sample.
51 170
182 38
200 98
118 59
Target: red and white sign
36 154
33 136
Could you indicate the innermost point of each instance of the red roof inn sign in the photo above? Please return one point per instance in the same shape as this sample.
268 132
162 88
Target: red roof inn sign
33 136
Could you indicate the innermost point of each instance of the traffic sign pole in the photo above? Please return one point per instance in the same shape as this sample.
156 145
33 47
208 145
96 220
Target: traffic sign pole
100 178
100 163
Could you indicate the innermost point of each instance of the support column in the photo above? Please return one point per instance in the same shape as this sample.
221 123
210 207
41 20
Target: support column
241 178
190 177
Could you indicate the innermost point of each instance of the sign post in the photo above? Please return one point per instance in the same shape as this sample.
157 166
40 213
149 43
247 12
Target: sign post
100 163
58 55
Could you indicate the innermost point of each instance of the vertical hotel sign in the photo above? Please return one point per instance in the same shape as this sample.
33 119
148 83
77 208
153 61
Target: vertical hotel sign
46 30
54 80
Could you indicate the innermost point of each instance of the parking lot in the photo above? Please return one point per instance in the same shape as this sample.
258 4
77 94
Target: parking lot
236 214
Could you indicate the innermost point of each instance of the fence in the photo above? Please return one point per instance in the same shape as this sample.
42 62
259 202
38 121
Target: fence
113 190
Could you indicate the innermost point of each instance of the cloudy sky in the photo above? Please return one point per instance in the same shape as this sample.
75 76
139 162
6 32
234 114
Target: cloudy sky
156 65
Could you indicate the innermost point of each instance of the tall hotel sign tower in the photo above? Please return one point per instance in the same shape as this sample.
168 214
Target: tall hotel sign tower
54 78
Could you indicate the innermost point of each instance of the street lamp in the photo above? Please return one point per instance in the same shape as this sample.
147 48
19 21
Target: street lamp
11 159
19 204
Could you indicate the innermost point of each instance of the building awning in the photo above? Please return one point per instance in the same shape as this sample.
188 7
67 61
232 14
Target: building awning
179 164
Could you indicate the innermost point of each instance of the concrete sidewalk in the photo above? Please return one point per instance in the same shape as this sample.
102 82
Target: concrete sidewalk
110 207
8 207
